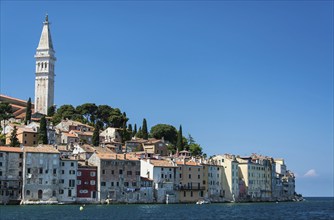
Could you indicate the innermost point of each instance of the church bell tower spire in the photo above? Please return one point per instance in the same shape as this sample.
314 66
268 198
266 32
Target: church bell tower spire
45 70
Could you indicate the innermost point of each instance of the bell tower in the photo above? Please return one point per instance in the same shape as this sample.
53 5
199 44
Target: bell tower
45 71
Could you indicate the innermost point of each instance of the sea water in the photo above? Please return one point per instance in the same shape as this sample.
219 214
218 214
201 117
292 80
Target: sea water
311 208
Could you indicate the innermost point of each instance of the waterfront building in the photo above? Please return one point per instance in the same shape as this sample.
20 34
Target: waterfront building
118 177
86 183
230 177
68 180
213 175
135 145
45 71
11 165
163 174
190 181
40 174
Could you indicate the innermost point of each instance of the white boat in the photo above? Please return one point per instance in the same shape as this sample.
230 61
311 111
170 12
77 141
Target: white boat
202 201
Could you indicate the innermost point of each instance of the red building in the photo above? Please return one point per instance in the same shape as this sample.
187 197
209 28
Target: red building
86 182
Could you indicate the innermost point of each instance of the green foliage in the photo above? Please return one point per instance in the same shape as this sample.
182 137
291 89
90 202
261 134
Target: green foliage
88 111
134 132
168 132
179 142
194 148
65 111
96 135
139 134
14 141
144 129
5 112
43 132
28 112
51 111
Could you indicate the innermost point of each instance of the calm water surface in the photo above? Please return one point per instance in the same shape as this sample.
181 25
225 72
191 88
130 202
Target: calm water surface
312 208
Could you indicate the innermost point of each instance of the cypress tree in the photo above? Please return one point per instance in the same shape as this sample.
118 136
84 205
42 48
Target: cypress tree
139 134
144 130
43 132
179 143
134 131
14 141
28 112
96 135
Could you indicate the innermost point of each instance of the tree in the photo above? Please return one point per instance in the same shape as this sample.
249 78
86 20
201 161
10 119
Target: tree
88 111
104 113
5 113
28 112
116 118
139 134
134 131
168 132
14 141
179 143
144 129
66 112
51 111
43 132
194 148
96 135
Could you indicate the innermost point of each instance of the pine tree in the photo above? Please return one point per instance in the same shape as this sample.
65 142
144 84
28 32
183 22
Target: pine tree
144 130
14 141
43 132
179 143
28 112
96 135
51 111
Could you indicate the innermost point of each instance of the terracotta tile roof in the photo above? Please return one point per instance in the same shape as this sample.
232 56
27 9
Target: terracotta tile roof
63 148
25 129
41 149
161 163
10 149
69 134
188 163
88 148
111 156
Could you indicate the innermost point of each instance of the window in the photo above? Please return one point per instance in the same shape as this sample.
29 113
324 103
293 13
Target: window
103 172
138 173
112 183
46 171
79 173
92 173
184 194
69 193
1 154
20 173
62 171
180 175
78 182
199 176
40 181
92 182
40 170
61 191
162 169
162 175
54 171
54 181
28 192
120 171
72 164
134 183
129 173
189 176
126 184
71 183
54 193
103 183
0 164
191 193
62 164
61 181
112 172
0 173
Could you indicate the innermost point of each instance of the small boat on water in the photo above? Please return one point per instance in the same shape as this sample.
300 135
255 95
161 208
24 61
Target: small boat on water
202 201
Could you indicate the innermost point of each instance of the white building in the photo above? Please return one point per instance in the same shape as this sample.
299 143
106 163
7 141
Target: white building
40 174
67 181
163 174
45 74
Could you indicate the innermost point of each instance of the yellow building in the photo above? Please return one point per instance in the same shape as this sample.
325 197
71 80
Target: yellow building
190 181
26 136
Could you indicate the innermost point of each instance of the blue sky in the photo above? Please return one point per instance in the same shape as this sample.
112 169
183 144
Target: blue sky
241 77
